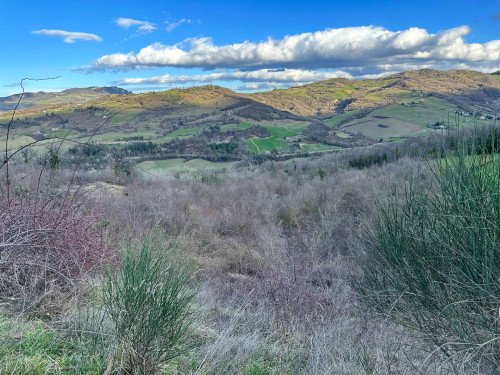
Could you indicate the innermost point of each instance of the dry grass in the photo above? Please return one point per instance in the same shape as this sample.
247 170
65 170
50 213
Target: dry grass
274 250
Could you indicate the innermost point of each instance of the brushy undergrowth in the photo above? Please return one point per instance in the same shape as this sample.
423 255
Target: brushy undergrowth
48 244
432 258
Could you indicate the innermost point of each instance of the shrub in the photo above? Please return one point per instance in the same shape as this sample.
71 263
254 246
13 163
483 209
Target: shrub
148 302
47 245
433 255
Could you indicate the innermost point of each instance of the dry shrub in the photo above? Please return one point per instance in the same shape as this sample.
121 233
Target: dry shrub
275 252
47 245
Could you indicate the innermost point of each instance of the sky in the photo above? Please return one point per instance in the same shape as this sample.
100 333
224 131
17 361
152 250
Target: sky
253 45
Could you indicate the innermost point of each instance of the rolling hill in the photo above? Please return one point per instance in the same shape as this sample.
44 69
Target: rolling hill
69 96
218 124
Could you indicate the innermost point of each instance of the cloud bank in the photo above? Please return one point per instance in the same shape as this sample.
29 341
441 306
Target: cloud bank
282 76
352 52
332 48
68 36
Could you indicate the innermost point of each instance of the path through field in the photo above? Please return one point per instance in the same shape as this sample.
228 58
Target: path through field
255 144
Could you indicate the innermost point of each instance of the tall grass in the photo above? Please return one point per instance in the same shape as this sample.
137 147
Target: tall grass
433 256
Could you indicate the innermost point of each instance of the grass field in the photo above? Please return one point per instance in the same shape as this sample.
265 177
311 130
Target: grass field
298 126
427 111
123 117
377 128
187 131
317 147
228 127
15 142
169 164
259 145
244 125
332 122
62 133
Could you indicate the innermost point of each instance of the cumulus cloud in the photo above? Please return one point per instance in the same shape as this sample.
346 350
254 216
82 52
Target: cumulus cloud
174 25
263 86
144 26
68 36
278 76
329 49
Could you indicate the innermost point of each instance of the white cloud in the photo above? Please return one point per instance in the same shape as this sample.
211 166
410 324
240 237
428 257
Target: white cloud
263 86
364 46
174 25
68 36
282 76
144 26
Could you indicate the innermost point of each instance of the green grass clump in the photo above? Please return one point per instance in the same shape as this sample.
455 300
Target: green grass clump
433 256
34 348
148 303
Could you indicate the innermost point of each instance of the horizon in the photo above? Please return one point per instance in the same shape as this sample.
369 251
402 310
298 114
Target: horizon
242 47
240 91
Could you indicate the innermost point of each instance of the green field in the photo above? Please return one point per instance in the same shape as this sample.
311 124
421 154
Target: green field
123 117
63 133
426 111
15 142
244 125
332 122
227 127
259 145
186 131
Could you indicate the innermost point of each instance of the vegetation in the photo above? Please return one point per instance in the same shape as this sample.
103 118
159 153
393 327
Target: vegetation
148 303
376 258
433 255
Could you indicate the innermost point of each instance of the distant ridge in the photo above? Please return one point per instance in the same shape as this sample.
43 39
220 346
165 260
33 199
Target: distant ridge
69 96
88 91
465 88
470 90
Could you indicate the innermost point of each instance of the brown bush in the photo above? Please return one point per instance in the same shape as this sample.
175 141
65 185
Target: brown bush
47 246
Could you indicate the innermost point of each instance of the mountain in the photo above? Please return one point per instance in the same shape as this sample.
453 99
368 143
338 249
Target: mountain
69 96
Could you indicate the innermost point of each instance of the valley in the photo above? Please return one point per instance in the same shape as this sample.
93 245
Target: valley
219 125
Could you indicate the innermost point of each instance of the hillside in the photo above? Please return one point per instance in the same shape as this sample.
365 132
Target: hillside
69 96
468 89
220 125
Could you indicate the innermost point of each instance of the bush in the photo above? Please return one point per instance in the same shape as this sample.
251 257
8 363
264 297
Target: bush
433 255
148 302
47 245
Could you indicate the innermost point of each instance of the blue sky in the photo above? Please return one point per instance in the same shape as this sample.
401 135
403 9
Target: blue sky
244 45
